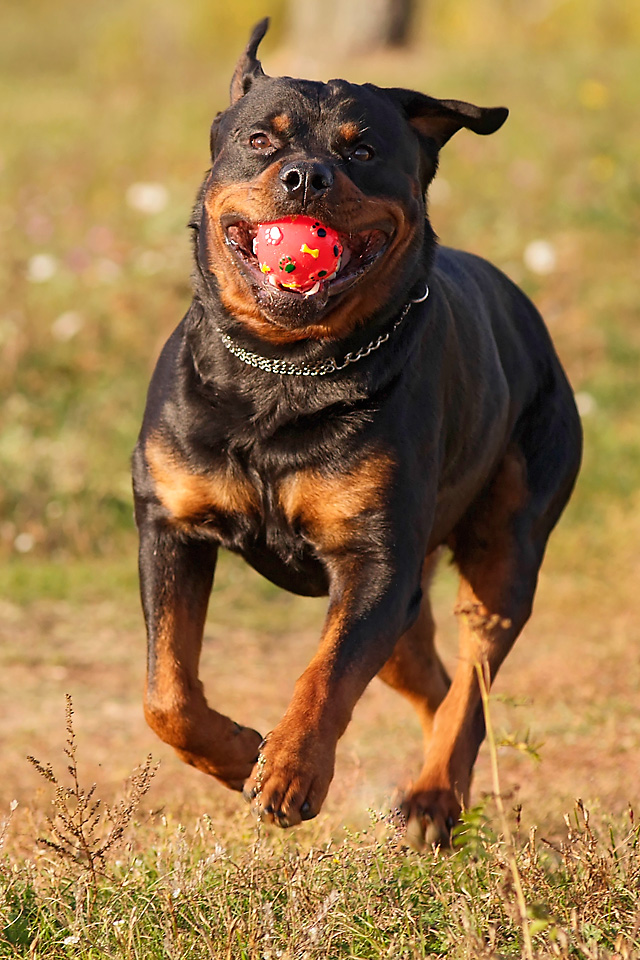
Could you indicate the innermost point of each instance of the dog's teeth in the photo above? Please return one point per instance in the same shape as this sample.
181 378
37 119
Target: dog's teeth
254 246
314 289
274 282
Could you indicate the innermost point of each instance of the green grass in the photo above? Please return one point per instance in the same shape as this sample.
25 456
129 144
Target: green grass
219 889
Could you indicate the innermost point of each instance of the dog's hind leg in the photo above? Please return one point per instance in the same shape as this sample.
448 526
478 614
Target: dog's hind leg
498 548
414 669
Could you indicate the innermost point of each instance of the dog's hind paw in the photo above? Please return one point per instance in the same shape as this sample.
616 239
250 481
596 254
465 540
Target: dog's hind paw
430 818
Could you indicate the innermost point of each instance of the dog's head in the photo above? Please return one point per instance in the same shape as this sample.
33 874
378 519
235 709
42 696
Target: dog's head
356 158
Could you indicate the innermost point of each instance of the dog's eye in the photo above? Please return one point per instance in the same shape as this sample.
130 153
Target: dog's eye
362 152
260 141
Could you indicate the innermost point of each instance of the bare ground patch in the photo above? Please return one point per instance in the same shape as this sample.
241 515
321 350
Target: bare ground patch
571 683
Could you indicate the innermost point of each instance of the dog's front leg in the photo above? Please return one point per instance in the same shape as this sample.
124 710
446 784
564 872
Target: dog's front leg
296 764
373 559
176 576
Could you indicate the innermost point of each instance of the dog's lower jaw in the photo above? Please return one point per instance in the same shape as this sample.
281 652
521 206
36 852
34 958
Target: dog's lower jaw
298 316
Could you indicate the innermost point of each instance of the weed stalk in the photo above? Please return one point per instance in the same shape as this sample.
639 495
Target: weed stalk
84 829
482 669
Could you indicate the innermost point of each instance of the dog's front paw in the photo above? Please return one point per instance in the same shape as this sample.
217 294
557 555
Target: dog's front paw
430 817
291 777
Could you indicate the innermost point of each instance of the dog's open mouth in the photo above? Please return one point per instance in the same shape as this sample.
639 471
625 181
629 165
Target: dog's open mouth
359 252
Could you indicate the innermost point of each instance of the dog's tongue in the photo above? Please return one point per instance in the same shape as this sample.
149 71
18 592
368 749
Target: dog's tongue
298 253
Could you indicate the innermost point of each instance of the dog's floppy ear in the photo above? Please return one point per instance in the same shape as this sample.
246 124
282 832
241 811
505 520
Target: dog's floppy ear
440 119
248 66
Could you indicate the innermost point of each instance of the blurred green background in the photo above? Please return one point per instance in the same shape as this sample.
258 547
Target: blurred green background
105 109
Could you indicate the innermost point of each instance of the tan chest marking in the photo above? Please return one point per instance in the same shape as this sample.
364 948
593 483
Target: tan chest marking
328 506
189 496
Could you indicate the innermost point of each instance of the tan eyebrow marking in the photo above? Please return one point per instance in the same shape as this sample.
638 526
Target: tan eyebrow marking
349 131
281 123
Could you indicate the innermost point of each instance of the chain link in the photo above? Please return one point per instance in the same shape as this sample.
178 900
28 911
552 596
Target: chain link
321 367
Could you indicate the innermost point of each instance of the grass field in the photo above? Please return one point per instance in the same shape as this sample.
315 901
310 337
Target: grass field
105 110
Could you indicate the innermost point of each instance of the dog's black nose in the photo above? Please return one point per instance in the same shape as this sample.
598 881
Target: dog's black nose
306 179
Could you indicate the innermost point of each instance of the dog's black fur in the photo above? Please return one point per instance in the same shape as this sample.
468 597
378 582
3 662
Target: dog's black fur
459 429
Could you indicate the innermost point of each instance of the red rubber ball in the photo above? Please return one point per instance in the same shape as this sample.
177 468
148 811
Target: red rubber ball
298 253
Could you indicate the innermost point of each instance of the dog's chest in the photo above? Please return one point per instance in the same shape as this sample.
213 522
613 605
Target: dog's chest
285 523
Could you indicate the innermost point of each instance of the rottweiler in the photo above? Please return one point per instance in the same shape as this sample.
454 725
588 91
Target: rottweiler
338 436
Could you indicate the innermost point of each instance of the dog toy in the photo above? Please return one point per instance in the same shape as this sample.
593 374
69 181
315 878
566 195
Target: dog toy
298 253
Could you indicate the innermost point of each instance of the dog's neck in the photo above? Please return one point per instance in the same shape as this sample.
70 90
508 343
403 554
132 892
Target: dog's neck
319 368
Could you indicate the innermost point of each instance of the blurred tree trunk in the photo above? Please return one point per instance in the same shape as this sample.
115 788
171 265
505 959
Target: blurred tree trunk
349 26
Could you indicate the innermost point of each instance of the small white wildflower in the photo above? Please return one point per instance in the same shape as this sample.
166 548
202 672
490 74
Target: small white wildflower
69 940
41 267
176 893
150 262
540 257
54 510
106 270
57 673
67 325
24 542
118 923
147 198
585 403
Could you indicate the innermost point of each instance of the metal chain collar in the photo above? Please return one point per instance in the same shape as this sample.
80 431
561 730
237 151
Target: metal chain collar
321 367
